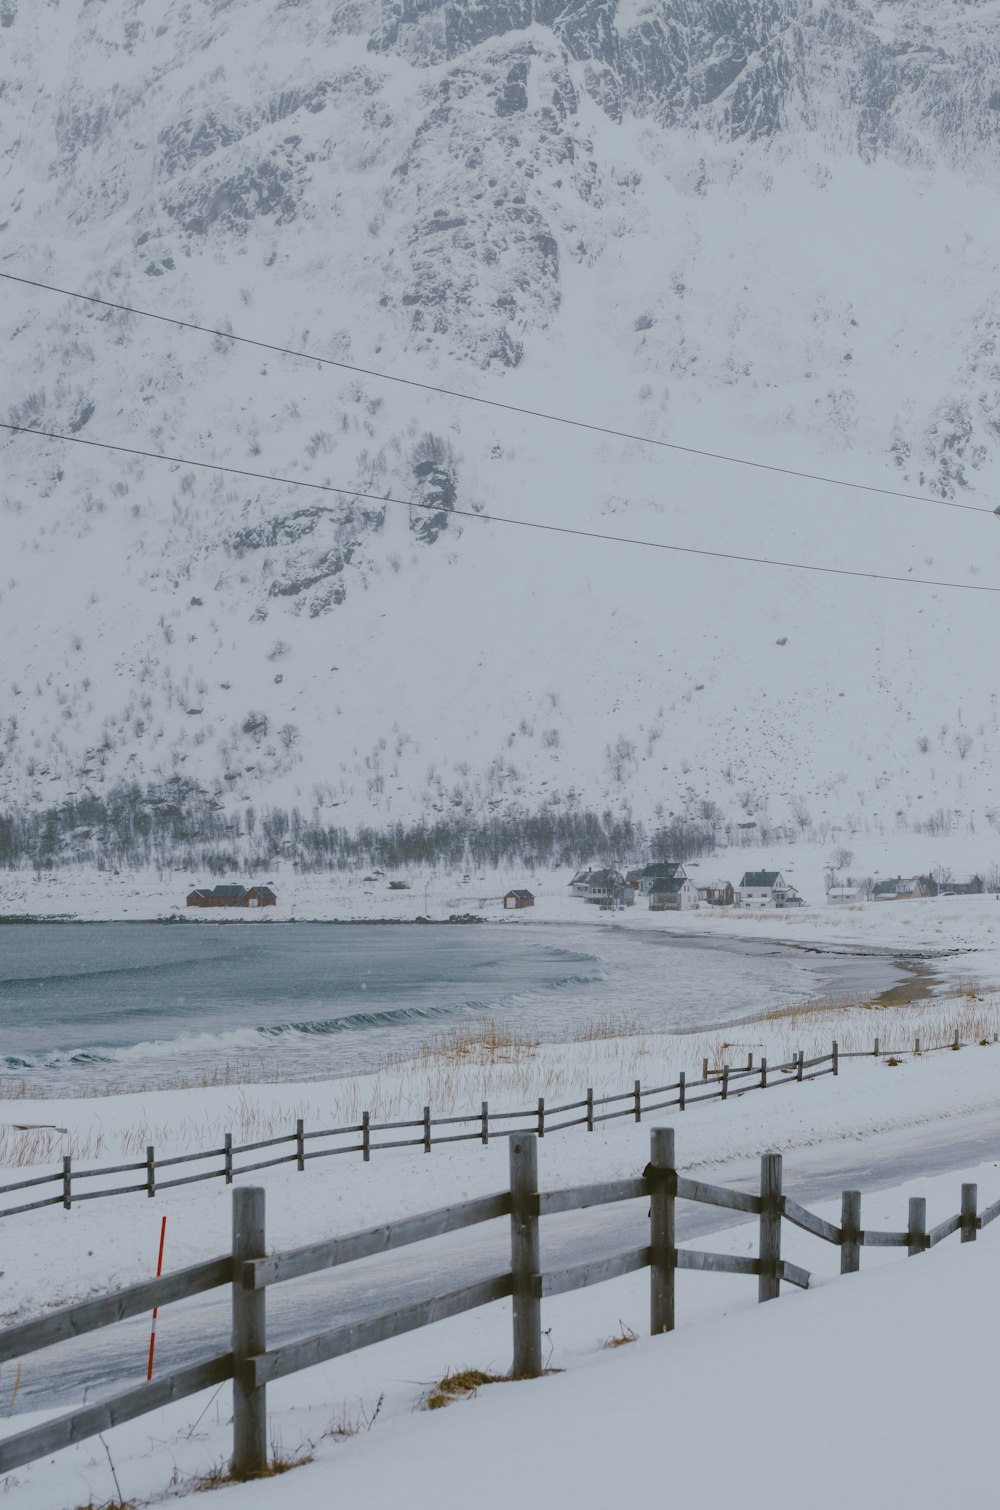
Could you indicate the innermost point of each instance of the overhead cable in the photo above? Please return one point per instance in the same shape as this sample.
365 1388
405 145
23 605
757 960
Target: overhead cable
526 524
495 403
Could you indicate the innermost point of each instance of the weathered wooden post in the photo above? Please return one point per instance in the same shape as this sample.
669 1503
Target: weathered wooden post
916 1226
366 1137
681 1089
486 1123
227 1158
769 1281
725 1082
970 1200
590 1108
300 1145
150 1171
662 1177
763 1074
541 1116
637 1101
850 1229
835 1056
525 1259
427 1129
67 1181
249 1336
801 1063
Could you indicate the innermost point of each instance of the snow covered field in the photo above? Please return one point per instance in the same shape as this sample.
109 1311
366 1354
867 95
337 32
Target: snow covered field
862 1360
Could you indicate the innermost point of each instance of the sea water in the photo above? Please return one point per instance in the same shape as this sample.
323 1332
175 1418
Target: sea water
84 1007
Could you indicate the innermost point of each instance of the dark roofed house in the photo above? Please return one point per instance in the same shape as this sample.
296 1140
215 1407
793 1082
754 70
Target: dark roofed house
516 899
642 879
766 888
231 895
756 889
673 894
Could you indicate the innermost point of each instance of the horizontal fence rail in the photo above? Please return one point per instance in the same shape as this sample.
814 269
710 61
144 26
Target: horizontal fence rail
248 1271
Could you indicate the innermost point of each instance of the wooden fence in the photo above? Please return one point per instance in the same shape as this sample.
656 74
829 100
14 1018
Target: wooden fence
248 1271
74 1184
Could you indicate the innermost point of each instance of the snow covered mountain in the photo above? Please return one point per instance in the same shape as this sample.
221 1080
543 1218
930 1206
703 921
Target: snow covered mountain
763 229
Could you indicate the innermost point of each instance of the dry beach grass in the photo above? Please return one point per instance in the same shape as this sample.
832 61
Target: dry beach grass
453 1072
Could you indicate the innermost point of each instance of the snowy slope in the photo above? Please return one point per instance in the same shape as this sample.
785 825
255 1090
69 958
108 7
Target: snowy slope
765 231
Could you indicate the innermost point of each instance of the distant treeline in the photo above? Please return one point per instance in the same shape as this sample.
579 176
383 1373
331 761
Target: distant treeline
177 826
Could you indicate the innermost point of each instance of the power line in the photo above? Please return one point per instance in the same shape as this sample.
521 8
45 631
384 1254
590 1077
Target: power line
494 403
525 524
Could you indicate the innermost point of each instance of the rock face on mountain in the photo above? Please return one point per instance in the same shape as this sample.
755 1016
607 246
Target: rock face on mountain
758 229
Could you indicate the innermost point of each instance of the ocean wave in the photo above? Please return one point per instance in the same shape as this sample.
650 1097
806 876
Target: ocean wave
116 972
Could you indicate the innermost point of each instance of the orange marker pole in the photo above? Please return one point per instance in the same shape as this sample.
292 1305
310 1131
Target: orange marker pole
152 1333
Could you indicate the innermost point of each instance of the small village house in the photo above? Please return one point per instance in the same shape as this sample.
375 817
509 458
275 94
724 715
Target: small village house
516 899
231 895
766 888
716 893
843 896
642 878
675 894
602 887
901 888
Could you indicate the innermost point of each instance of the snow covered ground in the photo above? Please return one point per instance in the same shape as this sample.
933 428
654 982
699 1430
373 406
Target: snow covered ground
863 1361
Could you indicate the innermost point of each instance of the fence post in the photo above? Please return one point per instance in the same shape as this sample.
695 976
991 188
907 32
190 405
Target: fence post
662 1176
704 1069
427 1129
366 1136
590 1108
850 1231
875 1050
956 1044
249 1336
916 1226
970 1197
150 1171
835 1056
541 1116
300 1145
67 1182
769 1282
525 1261
916 1046
637 1092
682 1089
227 1156
801 1062
486 1123
725 1081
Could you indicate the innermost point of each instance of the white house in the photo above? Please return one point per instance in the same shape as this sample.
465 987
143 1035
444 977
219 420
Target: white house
600 886
676 894
843 896
766 888
645 877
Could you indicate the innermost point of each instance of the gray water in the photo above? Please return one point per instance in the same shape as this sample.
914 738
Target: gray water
90 1006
